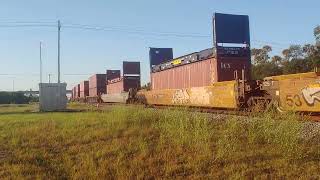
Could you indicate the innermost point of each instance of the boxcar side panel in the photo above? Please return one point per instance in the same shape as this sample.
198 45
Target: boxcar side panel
300 94
219 95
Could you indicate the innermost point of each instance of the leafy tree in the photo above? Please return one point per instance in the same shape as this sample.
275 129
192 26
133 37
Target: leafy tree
261 55
13 98
264 66
266 69
293 52
298 66
277 60
312 54
317 34
295 59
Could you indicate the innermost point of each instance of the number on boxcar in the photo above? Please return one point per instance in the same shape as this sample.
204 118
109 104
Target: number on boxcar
293 100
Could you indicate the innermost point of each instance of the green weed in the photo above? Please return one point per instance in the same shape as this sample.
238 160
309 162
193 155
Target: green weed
132 142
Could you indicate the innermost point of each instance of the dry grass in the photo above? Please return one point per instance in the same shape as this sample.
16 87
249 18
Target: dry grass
133 142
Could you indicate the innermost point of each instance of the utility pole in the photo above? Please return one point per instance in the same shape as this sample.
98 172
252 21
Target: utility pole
40 63
59 28
49 77
12 85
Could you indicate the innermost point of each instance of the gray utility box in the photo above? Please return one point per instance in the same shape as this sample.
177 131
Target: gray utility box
53 96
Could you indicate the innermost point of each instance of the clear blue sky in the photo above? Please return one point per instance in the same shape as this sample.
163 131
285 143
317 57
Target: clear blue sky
275 22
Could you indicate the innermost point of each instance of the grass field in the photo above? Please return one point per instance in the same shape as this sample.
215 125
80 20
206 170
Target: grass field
133 142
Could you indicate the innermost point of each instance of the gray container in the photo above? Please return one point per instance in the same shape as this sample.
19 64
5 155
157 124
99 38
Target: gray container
53 96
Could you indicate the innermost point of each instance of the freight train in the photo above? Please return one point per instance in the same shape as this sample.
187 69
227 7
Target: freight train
217 78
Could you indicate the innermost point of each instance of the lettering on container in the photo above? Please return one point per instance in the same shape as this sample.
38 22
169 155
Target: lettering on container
225 66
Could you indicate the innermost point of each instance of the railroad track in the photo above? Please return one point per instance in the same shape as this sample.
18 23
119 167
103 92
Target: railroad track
242 113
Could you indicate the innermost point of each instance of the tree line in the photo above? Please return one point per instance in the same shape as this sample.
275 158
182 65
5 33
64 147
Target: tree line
294 59
16 98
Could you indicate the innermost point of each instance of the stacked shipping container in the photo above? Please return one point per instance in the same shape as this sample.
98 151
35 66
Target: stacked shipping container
97 85
84 89
201 73
113 74
123 84
130 79
72 93
76 91
223 63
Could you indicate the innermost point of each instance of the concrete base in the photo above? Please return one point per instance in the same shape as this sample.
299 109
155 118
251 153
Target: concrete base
53 96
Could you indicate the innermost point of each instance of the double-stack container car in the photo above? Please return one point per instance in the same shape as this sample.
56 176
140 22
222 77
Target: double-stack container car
118 87
217 77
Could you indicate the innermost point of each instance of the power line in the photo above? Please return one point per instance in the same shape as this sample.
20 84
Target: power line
137 32
37 74
14 24
127 29
25 25
28 22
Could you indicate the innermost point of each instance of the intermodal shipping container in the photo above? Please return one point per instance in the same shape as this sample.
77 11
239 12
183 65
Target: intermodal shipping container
97 84
97 91
131 68
115 86
72 93
97 80
84 89
77 91
112 74
195 74
221 67
226 68
123 84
